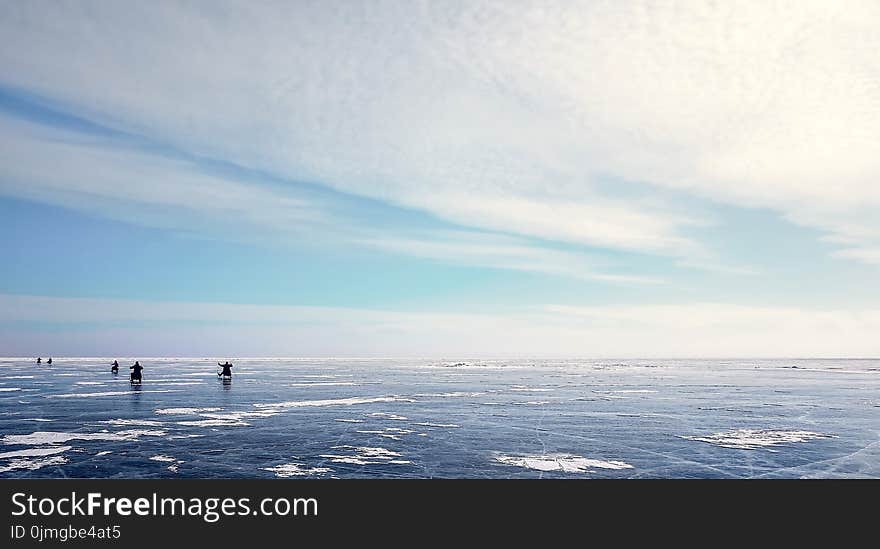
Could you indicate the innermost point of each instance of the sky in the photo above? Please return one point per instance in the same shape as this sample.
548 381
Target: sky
451 179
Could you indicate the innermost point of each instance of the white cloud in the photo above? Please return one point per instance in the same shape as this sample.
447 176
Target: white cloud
211 329
867 255
498 251
497 115
760 104
598 221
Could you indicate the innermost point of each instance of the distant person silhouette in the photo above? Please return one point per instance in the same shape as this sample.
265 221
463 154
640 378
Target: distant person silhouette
136 372
39 360
115 367
49 361
227 370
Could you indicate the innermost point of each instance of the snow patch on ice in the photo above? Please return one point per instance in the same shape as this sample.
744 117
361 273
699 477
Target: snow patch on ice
753 439
566 463
214 423
365 455
33 464
135 422
294 469
168 459
386 415
51 437
107 393
332 402
328 383
394 433
185 411
454 394
34 452
228 419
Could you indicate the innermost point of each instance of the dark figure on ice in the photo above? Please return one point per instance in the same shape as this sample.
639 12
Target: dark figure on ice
227 370
39 360
136 372
49 361
115 368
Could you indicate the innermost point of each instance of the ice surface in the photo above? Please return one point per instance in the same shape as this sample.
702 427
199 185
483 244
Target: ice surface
419 418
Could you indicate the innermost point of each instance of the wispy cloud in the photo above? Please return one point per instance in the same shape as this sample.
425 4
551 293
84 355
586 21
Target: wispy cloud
867 255
113 179
375 102
120 180
492 114
498 251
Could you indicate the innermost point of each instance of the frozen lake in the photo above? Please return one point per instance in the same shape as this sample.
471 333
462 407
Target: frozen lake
421 418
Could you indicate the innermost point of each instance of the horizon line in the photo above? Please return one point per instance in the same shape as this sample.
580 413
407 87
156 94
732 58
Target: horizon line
436 357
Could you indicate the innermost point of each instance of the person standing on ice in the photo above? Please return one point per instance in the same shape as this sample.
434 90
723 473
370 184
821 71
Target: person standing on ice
227 370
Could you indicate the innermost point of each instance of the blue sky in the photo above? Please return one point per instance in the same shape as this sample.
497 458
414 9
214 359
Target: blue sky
446 179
